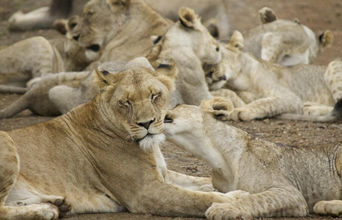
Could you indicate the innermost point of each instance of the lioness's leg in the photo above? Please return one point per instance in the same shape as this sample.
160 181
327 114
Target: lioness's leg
333 207
165 199
266 107
333 78
9 170
189 182
274 202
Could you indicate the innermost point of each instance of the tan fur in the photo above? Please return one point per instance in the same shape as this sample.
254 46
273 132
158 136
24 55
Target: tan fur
269 89
285 42
59 93
191 46
99 157
263 179
105 30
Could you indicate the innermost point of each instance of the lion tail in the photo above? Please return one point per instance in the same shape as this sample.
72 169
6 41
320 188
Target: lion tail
12 89
17 106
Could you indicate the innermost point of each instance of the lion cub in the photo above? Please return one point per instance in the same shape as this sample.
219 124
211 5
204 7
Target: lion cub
302 92
285 42
270 180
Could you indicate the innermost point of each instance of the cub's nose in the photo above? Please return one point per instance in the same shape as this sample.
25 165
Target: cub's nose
223 77
146 124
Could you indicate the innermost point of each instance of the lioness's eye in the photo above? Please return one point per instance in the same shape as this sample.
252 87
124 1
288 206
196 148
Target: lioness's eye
154 96
125 103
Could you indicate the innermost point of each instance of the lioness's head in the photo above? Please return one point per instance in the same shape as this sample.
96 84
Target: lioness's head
189 33
99 21
136 101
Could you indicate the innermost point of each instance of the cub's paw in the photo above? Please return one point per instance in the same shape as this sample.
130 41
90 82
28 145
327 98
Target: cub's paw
221 108
242 114
224 211
333 207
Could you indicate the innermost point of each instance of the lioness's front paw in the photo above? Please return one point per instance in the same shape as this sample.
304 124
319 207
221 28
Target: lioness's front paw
43 211
333 207
218 211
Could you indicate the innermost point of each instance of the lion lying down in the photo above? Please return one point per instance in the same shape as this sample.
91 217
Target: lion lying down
102 156
277 181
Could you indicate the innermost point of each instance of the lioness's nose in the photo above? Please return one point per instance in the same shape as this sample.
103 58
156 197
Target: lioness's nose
146 124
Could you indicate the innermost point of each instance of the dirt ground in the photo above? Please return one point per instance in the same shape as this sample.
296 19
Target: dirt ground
317 14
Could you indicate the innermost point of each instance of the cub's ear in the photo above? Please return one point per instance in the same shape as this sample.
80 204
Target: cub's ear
117 4
213 28
61 26
267 15
236 42
326 39
105 78
187 17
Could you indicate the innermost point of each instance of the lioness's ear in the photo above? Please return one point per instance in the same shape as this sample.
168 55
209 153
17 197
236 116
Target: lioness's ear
187 17
60 25
267 15
166 67
115 4
106 78
236 41
326 39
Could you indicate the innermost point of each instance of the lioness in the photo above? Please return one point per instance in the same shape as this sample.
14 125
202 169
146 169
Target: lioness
191 46
105 29
270 180
268 90
106 151
284 42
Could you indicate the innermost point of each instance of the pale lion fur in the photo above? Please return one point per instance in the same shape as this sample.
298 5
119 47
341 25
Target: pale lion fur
308 92
271 180
92 152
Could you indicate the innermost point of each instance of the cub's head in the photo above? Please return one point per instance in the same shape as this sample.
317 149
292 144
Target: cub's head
216 75
135 101
189 33
190 126
99 22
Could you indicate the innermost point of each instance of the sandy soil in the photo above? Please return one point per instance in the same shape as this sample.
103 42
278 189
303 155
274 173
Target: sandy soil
317 14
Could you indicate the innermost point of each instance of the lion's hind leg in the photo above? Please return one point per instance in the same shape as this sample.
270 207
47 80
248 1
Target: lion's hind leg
333 207
9 171
333 78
